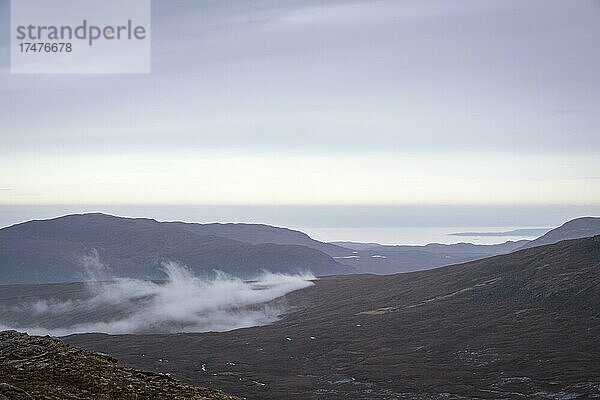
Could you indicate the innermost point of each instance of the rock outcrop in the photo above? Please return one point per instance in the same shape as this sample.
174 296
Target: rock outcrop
33 367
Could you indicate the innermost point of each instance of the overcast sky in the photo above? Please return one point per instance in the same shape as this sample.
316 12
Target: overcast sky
393 102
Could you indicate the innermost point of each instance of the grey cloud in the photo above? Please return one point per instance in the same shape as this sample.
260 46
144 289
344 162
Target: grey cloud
342 75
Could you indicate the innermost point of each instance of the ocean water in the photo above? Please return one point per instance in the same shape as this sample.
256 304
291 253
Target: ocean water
414 235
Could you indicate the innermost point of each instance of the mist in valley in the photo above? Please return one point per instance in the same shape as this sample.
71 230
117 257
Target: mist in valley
182 302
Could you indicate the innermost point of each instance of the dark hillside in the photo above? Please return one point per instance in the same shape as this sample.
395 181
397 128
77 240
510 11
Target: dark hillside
522 325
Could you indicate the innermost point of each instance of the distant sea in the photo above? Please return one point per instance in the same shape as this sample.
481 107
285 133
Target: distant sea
421 236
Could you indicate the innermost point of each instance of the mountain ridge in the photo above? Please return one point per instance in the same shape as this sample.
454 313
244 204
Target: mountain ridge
46 251
77 246
572 229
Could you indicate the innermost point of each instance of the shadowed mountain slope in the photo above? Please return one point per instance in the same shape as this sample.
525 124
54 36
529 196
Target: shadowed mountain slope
522 325
574 229
73 247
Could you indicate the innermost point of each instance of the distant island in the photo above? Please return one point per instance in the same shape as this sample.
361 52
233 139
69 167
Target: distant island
531 232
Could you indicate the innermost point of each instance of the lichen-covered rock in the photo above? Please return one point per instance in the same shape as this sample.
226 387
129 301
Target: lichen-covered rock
44 368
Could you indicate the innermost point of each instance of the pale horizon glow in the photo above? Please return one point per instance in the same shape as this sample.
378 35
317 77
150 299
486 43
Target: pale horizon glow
377 180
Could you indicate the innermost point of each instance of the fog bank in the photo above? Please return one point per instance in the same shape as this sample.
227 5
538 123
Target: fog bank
182 303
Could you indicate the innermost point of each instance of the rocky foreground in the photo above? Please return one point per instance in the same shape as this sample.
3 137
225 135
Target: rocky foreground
33 367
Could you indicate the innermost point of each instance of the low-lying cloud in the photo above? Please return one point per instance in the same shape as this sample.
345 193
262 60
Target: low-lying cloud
182 303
